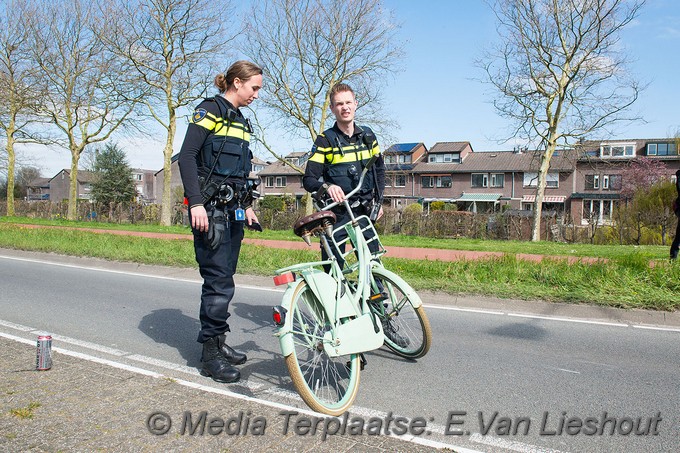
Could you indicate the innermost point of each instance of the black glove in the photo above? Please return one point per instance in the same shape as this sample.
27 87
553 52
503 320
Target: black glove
217 227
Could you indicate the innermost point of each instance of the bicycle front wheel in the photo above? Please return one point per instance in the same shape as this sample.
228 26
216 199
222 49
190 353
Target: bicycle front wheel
407 329
327 384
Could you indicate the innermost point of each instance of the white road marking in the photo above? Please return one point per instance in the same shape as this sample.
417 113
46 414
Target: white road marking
469 310
665 329
88 345
581 321
133 274
11 325
509 444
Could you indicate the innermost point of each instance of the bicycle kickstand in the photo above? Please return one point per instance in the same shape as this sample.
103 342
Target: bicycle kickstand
362 364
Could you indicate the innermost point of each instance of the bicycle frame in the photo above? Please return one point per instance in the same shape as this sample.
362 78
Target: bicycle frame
354 328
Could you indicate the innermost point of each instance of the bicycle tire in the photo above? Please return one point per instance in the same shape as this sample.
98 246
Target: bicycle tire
408 322
327 384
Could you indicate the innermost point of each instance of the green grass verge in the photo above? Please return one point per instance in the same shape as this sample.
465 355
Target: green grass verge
650 252
625 281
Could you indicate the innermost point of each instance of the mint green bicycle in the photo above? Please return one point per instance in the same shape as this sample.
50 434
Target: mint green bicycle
327 320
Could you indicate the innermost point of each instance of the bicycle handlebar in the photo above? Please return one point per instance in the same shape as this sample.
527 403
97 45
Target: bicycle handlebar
368 166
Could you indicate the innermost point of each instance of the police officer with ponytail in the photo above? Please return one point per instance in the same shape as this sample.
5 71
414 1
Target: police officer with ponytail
214 163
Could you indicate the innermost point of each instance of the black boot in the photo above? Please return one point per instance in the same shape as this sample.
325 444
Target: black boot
215 365
233 356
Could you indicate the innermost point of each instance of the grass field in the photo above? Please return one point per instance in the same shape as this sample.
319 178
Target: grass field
625 279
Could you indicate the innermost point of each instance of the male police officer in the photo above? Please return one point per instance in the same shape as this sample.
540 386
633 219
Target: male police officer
338 157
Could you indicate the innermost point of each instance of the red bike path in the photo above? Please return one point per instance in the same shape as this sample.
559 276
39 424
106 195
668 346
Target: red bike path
414 253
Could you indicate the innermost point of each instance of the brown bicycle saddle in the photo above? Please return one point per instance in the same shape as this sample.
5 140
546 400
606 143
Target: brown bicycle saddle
310 224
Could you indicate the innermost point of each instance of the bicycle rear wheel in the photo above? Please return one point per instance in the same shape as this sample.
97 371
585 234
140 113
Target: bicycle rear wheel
407 329
327 384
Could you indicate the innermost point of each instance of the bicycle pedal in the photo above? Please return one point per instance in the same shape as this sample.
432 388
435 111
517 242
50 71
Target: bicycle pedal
379 297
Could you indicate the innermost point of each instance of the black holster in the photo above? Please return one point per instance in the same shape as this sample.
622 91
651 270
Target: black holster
217 228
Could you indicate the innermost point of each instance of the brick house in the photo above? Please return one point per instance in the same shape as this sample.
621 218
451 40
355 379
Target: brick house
279 178
144 184
400 184
484 181
38 190
60 185
599 169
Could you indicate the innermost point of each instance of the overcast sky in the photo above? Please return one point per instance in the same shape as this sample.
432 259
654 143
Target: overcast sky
438 96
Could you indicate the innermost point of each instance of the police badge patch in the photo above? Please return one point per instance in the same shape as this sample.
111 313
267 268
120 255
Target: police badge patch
199 114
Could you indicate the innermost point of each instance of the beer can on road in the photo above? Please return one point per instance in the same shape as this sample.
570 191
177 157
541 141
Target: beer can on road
43 359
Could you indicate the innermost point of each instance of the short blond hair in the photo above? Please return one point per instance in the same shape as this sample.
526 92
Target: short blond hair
339 88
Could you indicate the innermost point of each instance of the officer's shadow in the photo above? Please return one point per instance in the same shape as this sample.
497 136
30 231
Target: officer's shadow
172 327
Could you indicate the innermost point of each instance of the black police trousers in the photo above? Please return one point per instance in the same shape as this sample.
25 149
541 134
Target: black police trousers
217 267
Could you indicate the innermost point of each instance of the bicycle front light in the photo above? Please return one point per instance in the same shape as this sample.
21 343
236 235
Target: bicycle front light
279 315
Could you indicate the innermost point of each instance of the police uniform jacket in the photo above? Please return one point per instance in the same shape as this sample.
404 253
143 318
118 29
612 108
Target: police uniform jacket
339 159
217 139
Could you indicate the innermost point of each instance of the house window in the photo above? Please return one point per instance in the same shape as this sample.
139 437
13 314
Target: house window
615 182
444 158
531 180
617 150
390 159
592 182
480 180
388 181
605 182
269 181
497 179
662 149
597 211
427 181
399 180
280 181
443 181
404 159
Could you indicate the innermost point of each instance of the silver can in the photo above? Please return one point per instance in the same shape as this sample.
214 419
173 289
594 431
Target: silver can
43 358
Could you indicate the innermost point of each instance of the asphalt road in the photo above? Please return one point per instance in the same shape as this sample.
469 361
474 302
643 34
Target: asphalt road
526 381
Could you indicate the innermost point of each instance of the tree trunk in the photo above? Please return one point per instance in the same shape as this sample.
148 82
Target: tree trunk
73 187
11 162
540 192
166 201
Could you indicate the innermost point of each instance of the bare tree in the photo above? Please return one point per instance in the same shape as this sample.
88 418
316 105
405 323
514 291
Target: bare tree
559 72
86 96
307 46
17 85
175 46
